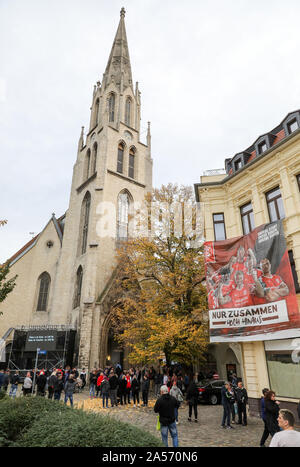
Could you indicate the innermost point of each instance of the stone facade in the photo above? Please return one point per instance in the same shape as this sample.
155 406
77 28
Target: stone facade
101 180
279 167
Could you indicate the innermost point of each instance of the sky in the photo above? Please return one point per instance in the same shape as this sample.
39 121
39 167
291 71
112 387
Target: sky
213 75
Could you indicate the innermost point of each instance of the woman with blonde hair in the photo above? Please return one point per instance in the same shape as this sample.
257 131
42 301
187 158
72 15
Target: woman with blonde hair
27 385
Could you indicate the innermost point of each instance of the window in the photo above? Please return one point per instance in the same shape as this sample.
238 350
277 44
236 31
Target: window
131 163
247 218
262 147
87 164
127 111
111 108
298 180
283 367
123 216
120 158
96 113
275 205
78 286
95 148
238 165
219 227
44 285
85 214
294 272
292 126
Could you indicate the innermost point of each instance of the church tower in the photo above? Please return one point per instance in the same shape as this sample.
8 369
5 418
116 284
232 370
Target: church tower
112 171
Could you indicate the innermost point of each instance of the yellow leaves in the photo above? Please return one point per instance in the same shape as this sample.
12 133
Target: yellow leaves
161 302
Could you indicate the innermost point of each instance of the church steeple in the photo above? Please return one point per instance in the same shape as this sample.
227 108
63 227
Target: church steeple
118 69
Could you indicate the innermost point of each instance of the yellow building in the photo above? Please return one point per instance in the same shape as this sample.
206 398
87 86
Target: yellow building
259 185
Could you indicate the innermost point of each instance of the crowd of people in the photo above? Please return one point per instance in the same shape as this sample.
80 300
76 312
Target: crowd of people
42 382
169 385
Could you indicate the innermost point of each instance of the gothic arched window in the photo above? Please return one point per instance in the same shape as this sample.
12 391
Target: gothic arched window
111 107
131 162
78 286
96 113
87 164
94 159
84 222
44 286
123 215
128 111
120 157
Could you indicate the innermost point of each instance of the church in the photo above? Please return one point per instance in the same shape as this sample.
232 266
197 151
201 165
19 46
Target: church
66 273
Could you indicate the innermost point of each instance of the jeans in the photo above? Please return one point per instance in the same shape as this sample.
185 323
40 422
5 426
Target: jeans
57 395
113 396
226 414
69 396
92 389
105 399
13 390
157 389
136 397
176 414
145 397
173 432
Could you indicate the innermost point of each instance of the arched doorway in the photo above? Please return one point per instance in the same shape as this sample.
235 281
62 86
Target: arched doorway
115 353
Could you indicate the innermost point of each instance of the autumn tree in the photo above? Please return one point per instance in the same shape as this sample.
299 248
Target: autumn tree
161 306
6 285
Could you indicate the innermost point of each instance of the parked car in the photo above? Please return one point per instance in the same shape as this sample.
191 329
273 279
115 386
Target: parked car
210 391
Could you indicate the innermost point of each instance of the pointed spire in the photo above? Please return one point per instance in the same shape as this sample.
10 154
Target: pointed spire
119 61
149 138
80 142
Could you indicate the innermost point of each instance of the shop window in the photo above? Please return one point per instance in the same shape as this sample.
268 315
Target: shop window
219 227
283 365
275 205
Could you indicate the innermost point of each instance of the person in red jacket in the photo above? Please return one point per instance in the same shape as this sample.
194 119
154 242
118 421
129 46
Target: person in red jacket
128 386
99 381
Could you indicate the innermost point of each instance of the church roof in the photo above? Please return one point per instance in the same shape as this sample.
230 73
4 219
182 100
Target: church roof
59 226
118 67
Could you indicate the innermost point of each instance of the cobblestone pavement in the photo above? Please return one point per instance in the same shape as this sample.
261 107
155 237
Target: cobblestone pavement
206 433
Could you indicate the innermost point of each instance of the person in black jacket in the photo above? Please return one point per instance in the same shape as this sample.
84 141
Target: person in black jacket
113 385
14 381
58 386
41 384
122 388
227 399
165 407
242 401
135 389
192 398
271 412
145 389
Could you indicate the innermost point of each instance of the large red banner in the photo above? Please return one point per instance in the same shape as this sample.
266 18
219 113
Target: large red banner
250 286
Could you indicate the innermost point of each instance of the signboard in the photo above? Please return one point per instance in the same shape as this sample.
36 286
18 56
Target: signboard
45 340
251 293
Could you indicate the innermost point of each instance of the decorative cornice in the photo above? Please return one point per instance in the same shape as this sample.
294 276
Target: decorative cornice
131 180
84 184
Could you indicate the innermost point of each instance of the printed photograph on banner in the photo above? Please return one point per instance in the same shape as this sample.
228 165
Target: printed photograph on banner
250 286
